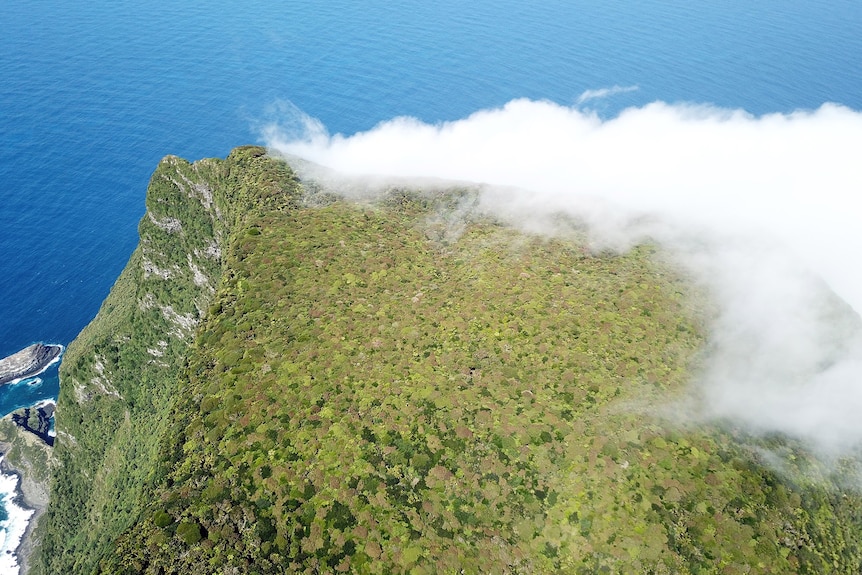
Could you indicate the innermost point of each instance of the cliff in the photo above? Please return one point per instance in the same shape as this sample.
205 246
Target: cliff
119 377
281 381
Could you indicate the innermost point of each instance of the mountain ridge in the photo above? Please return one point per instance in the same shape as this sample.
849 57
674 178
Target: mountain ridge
283 381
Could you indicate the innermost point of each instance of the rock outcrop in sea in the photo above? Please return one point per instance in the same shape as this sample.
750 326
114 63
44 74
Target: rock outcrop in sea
29 361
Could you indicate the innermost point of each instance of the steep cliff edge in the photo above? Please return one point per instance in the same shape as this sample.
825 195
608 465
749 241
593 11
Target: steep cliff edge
119 377
281 383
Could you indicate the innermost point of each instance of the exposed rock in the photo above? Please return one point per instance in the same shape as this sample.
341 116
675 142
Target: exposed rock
200 278
38 420
102 381
185 323
28 362
212 251
170 225
152 269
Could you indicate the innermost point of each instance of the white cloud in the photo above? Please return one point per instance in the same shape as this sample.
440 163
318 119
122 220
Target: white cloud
767 210
588 95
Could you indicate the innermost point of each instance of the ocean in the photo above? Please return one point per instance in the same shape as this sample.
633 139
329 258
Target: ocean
93 94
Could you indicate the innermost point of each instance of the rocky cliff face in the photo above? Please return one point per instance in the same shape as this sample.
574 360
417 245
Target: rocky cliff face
119 377
287 383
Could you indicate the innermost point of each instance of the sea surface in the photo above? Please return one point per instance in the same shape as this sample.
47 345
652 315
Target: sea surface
93 94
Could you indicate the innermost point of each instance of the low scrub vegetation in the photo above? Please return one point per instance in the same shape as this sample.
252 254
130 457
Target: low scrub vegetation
370 391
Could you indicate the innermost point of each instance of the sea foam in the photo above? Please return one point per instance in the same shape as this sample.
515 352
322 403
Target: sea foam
12 528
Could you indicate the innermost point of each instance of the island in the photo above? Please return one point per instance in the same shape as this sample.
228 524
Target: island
28 362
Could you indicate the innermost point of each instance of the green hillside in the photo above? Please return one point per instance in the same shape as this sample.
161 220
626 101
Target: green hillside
354 387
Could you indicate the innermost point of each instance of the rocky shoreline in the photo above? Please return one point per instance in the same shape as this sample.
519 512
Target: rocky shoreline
21 514
28 362
32 492
26 436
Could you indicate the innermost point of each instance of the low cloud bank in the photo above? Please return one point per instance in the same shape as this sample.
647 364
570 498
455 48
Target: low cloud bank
766 211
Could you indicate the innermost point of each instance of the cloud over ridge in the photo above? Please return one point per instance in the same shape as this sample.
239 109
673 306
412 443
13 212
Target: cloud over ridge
766 210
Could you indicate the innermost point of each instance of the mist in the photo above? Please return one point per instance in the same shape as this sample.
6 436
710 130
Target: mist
764 211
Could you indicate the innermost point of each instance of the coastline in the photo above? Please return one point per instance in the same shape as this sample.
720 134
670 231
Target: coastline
24 497
22 515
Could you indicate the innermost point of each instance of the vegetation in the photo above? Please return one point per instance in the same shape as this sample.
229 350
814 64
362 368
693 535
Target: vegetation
371 391
119 376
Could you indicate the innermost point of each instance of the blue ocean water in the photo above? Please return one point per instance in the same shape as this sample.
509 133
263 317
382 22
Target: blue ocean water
93 94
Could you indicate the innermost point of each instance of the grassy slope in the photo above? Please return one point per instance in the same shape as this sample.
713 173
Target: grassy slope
365 397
